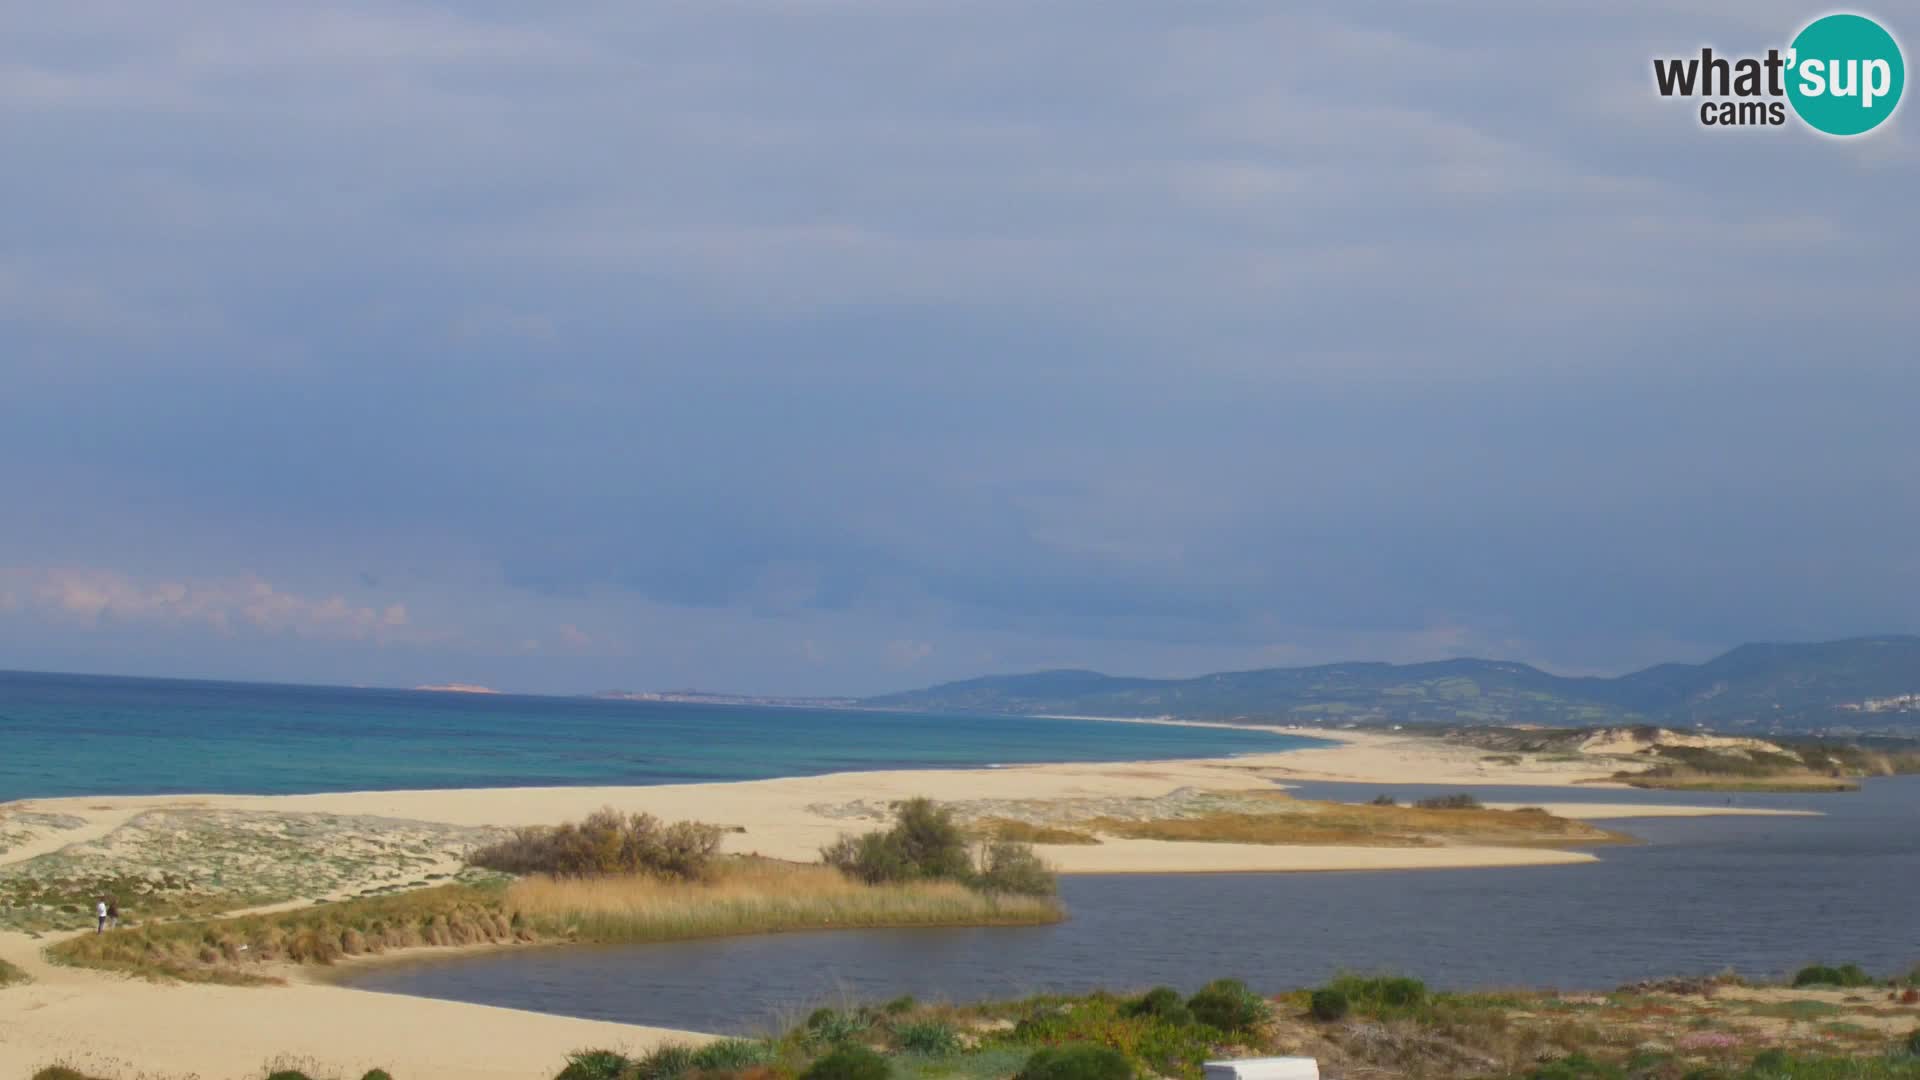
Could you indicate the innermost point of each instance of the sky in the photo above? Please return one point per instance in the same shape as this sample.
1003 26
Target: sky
840 346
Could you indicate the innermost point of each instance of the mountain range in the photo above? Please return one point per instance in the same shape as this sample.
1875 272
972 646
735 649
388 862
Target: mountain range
1868 685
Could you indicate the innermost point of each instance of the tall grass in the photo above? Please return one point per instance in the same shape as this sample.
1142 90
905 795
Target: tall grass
755 896
740 896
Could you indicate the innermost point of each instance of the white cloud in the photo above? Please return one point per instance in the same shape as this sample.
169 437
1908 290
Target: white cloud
240 604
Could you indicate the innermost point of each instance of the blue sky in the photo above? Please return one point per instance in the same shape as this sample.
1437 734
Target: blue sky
840 346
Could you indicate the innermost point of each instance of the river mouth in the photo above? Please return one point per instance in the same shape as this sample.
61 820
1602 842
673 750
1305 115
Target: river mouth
1761 895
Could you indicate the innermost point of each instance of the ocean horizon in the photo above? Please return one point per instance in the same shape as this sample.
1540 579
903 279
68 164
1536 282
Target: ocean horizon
75 735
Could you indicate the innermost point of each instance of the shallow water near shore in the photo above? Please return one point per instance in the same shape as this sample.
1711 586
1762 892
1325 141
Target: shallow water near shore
1763 895
99 735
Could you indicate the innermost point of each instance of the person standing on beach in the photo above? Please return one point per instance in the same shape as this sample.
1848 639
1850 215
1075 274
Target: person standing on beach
100 914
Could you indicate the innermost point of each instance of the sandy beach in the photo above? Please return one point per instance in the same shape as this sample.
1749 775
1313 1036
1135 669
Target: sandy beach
210 1031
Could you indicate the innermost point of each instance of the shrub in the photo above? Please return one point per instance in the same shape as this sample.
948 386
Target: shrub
1577 1067
900 1005
934 1038
594 1065
925 843
1385 800
1381 993
732 1055
1449 802
833 1027
1329 1005
1228 1005
1821 975
1162 1003
849 1063
1913 1043
60 1072
1009 866
288 1074
607 842
1079 1062
664 1063
376 1074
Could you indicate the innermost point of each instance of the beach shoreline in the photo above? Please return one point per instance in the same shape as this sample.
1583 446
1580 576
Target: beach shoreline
83 1015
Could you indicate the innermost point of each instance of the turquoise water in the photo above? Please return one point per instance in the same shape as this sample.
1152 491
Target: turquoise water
96 735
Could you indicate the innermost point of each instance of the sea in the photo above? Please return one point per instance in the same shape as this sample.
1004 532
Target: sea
106 735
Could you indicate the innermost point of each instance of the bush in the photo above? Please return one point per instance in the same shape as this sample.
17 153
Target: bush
1771 1061
665 1063
900 1006
925 843
849 1063
594 1065
1913 1044
832 1027
1329 1005
607 842
1228 1005
376 1074
1163 1003
1381 993
934 1038
288 1074
1079 1062
1385 800
1449 802
60 1072
1577 1067
1009 866
1821 975
732 1055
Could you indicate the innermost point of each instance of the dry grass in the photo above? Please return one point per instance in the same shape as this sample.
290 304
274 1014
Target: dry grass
1027 832
11 975
755 896
740 897
1367 825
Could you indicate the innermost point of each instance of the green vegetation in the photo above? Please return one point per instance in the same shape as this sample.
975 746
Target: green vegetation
1328 1005
1821 975
1079 1062
1227 1005
1461 801
273 1072
925 843
1027 832
849 1063
1373 1025
1277 819
606 843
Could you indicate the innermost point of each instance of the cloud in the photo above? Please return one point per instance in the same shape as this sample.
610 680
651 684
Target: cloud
238 604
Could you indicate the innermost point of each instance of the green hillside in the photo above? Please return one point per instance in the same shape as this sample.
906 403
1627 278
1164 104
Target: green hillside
1857 685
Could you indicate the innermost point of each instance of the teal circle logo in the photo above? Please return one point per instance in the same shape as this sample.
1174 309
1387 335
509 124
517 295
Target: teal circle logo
1845 74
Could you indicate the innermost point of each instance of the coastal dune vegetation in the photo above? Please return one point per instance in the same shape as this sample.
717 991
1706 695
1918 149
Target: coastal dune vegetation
612 878
1719 1028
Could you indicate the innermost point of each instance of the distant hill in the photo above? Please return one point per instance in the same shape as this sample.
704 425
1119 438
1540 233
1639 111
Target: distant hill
1860 685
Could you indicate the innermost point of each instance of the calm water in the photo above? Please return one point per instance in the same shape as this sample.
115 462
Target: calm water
88 735
1764 895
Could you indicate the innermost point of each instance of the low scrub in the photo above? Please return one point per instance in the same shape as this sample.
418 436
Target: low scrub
1461 801
1026 832
607 842
1381 995
1082 1062
1822 975
849 1063
11 975
925 843
1227 1005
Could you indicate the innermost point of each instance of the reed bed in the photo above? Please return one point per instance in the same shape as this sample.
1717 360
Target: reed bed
750 897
